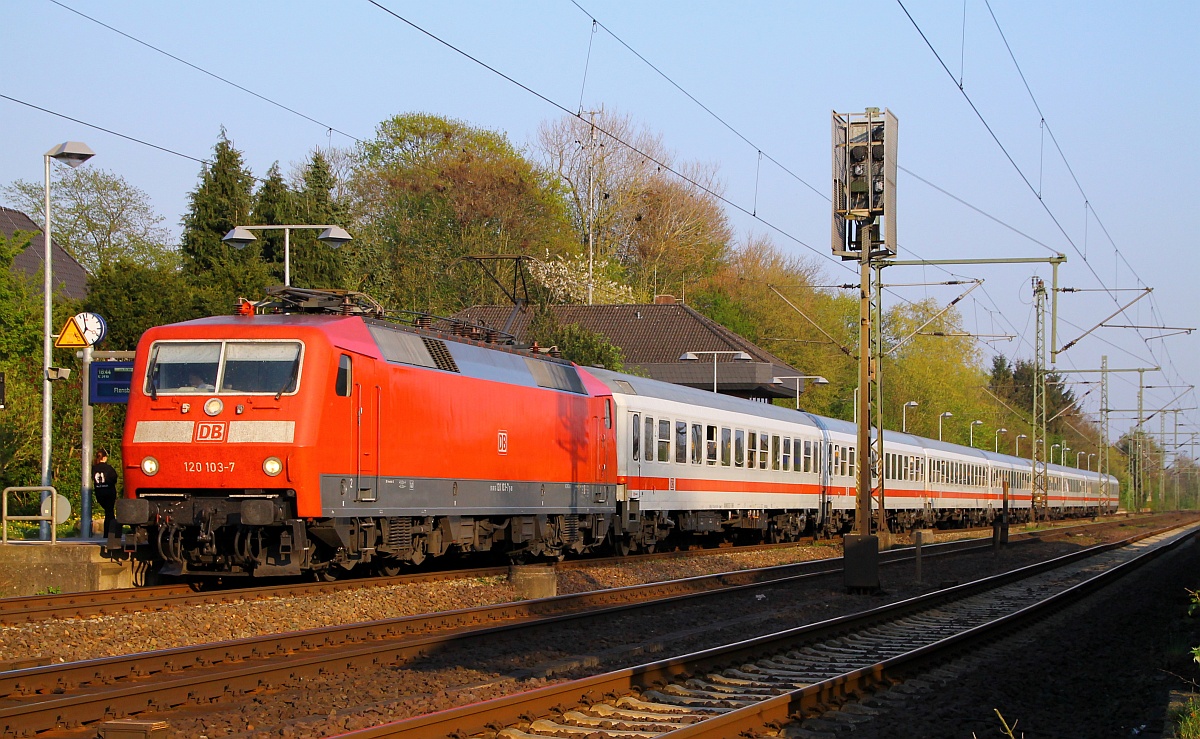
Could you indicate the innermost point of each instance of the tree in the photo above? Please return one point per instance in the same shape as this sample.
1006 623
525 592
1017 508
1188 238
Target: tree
221 201
99 217
578 344
314 263
429 191
663 230
135 297
274 205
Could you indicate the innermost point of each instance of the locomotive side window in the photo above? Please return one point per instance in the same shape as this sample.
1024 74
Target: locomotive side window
711 450
344 377
637 435
183 367
697 443
739 448
664 441
681 438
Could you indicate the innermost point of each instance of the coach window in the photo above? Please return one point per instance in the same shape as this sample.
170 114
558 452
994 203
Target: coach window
850 461
787 454
637 435
681 455
711 443
807 458
739 448
664 441
752 450
697 443
344 379
774 452
726 456
649 445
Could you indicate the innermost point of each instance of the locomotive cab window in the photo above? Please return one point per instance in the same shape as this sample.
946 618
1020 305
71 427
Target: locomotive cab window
344 377
242 367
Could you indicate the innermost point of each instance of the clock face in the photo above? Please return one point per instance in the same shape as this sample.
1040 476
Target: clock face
93 326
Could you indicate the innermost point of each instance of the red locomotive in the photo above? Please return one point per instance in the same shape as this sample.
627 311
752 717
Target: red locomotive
320 437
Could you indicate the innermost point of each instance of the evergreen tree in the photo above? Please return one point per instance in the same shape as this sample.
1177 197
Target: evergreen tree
274 205
221 201
315 264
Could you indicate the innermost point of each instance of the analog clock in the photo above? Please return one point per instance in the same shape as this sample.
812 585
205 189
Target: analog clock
93 327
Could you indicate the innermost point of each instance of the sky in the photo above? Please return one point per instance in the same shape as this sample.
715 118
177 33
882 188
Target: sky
1027 130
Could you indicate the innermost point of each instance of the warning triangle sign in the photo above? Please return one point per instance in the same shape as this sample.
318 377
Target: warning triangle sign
71 337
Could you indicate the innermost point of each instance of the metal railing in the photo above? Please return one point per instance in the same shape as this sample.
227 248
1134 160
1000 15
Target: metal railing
52 518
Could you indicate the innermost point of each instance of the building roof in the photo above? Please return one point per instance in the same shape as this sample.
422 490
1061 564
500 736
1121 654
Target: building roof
69 277
652 338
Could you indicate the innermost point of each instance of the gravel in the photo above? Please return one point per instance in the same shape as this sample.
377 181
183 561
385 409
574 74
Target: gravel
357 698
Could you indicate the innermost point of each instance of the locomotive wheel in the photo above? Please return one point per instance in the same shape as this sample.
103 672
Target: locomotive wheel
390 567
622 546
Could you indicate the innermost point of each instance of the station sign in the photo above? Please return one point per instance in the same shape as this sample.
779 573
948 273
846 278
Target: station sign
109 382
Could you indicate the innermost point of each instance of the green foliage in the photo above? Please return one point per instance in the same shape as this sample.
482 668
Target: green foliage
134 297
98 217
1187 719
222 200
314 264
429 191
49 590
578 344
20 304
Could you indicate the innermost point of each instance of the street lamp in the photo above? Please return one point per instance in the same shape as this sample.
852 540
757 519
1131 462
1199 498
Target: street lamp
240 236
904 415
1090 455
941 418
1062 456
971 433
1052 448
998 432
693 356
72 154
817 380
1017 444
1077 456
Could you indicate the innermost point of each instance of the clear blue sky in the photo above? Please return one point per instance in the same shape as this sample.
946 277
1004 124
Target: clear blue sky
1114 81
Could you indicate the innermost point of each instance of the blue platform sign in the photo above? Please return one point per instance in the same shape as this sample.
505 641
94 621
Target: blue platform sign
110 382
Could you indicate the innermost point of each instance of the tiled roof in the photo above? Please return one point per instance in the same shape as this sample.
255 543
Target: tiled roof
653 337
70 279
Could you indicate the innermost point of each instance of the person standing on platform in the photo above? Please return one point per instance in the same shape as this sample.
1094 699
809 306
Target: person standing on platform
104 488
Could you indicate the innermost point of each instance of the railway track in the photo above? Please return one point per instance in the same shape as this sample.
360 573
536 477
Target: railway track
79 693
135 600
757 687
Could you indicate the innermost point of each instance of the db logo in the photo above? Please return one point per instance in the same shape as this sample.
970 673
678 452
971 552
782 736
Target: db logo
502 442
210 431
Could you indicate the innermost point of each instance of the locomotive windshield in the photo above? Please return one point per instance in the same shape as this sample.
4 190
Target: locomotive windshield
184 367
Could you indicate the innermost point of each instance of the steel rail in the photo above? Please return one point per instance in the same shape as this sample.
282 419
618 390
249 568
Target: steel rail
44 698
489 717
28 609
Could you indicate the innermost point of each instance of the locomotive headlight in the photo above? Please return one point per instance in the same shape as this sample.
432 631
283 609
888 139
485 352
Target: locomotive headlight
272 466
149 466
213 406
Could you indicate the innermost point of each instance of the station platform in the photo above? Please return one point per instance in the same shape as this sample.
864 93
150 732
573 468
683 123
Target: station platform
71 566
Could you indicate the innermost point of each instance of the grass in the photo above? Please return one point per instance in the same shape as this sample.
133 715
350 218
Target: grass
1187 719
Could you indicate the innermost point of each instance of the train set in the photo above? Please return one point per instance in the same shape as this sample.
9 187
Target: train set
319 437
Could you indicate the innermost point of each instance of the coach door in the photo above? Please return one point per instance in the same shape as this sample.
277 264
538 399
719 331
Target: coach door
367 404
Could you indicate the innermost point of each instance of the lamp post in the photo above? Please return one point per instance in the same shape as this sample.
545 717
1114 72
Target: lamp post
1077 456
941 418
240 236
817 380
1062 456
904 415
72 154
1017 444
998 432
971 433
1052 448
693 356
1090 455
